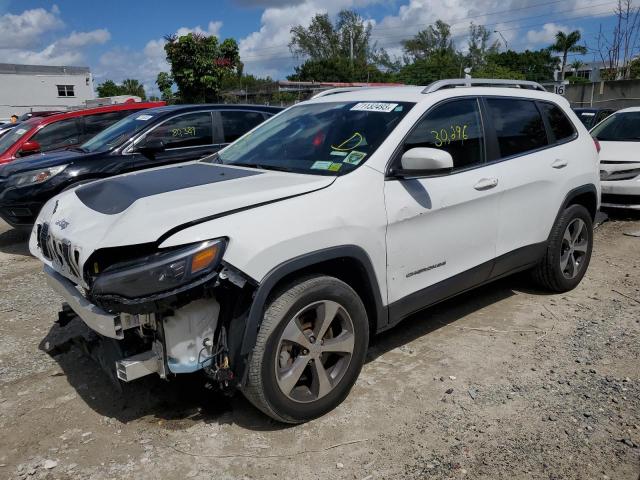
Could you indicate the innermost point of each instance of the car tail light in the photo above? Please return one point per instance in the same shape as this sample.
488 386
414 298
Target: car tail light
597 144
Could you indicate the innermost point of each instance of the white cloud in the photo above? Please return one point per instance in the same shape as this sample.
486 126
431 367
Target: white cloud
82 39
212 29
26 29
546 34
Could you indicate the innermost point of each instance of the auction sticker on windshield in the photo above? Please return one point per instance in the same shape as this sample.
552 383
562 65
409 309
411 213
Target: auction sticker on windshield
321 165
374 107
354 157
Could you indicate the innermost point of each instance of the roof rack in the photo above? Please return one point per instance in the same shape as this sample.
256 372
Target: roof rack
481 82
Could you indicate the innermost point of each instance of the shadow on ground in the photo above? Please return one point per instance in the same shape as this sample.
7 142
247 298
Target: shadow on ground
180 403
14 241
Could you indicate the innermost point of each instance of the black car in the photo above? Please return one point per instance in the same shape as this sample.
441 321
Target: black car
145 139
590 117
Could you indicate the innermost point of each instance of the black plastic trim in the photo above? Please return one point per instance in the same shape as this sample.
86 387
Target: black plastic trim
297 264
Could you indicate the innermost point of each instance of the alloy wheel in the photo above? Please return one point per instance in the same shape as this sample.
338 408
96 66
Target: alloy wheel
575 243
314 351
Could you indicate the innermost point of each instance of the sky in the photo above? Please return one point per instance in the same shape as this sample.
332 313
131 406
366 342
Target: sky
124 39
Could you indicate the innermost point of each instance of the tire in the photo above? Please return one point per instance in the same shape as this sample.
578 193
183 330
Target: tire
295 310
566 259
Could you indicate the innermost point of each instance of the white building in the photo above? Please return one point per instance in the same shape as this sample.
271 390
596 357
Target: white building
25 88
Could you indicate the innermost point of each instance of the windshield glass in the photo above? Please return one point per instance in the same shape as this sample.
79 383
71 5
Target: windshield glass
619 127
117 133
12 136
586 117
322 138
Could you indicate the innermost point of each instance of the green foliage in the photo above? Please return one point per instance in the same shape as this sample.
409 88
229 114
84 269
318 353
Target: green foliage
434 40
199 64
329 48
129 86
536 65
165 82
479 47
435 67
634 69
574 80
339 69
492 70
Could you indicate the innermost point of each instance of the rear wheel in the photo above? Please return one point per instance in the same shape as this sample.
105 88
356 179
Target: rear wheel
568 252
310 349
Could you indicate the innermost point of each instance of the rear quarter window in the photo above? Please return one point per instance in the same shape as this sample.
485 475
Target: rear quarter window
518 124
561 126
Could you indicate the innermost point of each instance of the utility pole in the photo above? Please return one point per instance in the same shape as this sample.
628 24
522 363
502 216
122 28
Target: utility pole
351 46
506 45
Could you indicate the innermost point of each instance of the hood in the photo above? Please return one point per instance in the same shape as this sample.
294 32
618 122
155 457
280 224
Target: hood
619 151
141 207
40 160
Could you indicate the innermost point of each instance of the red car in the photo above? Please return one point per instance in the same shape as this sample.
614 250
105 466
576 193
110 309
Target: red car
63 130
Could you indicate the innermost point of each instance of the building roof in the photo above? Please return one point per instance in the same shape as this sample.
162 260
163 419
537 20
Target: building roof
12 68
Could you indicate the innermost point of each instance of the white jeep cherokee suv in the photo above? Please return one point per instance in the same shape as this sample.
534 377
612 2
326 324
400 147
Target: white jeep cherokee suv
269 265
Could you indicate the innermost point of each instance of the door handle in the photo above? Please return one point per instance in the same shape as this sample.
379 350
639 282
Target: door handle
559 163
486 183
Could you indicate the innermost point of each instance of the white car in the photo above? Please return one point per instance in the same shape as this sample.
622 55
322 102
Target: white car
619 138
270 264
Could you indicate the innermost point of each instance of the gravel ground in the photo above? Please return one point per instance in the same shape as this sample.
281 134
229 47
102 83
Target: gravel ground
504 382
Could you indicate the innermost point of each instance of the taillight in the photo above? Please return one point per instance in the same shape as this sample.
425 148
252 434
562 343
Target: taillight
597 144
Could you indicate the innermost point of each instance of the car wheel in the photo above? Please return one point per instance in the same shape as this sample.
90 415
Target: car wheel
309 351
568 251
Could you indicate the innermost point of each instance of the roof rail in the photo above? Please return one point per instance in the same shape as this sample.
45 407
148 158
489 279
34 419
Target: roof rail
481 82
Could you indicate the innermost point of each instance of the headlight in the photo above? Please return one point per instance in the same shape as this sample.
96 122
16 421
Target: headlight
162 272
36 176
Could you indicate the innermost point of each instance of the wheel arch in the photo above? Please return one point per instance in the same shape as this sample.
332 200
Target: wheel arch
585 195
348 263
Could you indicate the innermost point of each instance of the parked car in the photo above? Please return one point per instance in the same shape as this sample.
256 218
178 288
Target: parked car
7 127
619 138
38 113
592 116
63 130
146 139
270 264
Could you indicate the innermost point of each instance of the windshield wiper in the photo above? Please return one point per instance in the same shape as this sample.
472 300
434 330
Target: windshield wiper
262 166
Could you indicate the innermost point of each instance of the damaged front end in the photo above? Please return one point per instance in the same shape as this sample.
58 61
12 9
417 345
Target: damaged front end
174 306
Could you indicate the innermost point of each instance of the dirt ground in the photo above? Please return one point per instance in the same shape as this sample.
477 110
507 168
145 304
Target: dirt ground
504 382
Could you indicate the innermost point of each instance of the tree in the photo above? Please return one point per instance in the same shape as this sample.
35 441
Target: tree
129 86
536 65
617 51
164 83
492 70
634 69
479 46
108 88
565 44
342 50
436 39
199 63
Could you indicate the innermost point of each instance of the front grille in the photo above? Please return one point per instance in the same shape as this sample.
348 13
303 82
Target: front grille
619 175
43 240
620 199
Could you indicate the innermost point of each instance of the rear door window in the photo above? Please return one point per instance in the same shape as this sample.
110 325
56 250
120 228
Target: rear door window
561 126
236 123
518 125
62 134
94 124
454 127
188 130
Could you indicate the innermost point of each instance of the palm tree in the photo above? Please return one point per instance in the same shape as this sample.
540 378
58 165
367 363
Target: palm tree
566 43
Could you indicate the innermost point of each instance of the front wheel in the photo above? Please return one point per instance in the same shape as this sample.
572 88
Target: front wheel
568 251
309 351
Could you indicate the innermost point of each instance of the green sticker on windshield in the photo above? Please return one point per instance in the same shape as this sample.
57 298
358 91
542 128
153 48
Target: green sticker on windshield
321 165
334 167
355 157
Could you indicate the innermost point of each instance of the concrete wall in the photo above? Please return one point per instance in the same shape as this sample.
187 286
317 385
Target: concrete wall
24 92
613 94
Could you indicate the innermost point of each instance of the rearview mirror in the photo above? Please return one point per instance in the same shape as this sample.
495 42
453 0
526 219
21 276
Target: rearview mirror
424 161
151 146
29 148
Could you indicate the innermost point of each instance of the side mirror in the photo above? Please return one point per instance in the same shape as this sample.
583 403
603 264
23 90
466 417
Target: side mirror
150 147
424 161
29 148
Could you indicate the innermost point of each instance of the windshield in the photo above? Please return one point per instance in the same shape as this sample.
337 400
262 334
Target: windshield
12 136
321 138
619 127
586 117
117 133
